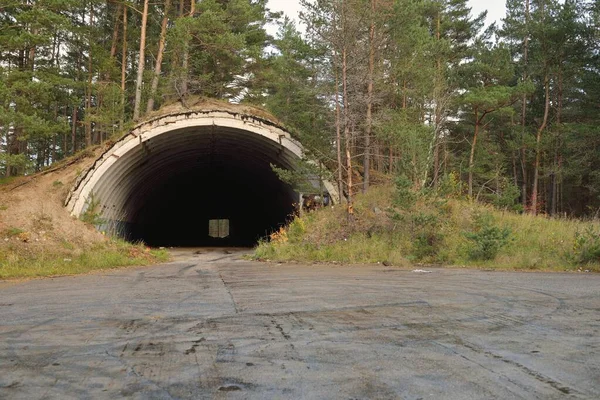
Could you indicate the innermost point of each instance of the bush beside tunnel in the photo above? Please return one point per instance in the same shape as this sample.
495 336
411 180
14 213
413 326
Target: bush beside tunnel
193 178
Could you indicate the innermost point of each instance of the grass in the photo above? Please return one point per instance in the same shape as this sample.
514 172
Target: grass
24 260
5 180
426 229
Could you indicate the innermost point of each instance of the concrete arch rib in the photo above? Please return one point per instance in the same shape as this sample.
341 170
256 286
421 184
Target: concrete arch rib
176 172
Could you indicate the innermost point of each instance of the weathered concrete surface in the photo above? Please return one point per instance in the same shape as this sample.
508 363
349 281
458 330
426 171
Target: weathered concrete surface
219 327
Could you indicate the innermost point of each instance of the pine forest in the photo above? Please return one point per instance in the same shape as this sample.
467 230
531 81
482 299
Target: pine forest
419 89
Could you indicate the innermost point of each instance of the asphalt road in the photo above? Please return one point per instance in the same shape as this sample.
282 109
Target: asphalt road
216 326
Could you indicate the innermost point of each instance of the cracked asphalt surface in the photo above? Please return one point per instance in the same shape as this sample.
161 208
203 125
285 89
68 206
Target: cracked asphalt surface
213 325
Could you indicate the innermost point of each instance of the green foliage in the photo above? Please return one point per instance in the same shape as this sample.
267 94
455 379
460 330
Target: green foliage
5 180
436 76
433 231
23 261
426 245
586 246
450 186
306 177
404 131
488 239
91 215
18 161
425 235
296 230
507 199
292 94
225 42
12 232
404 196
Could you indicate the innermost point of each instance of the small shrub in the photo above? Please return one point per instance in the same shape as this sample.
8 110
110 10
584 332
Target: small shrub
57 184
423 220
404 196
586 246
450 185
425 235
426 245
508 198
488 239
67 245
91 215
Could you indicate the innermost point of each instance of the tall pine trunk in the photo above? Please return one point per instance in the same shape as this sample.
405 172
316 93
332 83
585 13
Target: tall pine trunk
369 117
115 36
141 64
557 146
159 56
88 94
123 67
338 135
186 51
347 134
538 140
478 120
524 108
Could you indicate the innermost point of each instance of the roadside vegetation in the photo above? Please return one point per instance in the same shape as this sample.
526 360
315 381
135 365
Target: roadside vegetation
24 260
394 225
39 239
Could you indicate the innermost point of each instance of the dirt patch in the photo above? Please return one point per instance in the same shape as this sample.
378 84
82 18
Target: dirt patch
32 207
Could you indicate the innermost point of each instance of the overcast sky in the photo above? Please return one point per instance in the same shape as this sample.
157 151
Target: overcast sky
495 8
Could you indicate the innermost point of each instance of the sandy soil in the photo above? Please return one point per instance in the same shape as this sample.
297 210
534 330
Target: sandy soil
35 205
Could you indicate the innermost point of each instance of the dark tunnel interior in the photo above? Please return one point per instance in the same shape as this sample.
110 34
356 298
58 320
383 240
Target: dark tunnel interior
178 213
200 187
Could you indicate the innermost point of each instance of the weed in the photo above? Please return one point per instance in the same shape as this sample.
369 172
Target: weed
12 232
67 245
91 215
426 237
586 246
296 230
57 184
279 236
3 207
42 221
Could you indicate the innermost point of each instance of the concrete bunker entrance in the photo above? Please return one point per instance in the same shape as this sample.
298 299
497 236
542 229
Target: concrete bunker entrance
193 179
206 177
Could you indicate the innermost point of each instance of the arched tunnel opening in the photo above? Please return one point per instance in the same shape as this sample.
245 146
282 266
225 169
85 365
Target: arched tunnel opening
212 192
192 184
